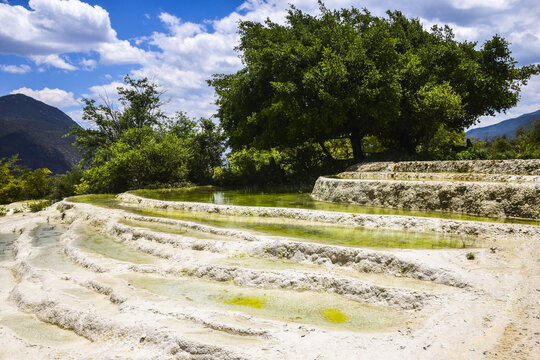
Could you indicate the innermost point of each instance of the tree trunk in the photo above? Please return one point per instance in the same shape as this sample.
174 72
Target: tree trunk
356 143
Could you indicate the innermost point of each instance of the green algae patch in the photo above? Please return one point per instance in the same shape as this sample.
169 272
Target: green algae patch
334 316
298 229
173 229
253 302
103 200
286 305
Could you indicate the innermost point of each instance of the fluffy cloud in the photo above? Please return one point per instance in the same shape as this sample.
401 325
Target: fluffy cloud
493 4
54 61
15 69
88 64
54 27
53 97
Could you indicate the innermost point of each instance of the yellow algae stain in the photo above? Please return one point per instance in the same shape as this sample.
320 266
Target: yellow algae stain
254 302
334 316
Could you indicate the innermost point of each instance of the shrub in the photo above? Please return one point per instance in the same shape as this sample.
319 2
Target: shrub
39 205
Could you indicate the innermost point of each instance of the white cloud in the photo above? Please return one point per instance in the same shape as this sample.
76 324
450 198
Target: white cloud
493 4
88 64
106 93
120 52
54 97
53 60
54 27
15 69
530 102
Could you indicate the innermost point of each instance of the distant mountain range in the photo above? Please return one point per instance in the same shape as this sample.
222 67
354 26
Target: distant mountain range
506 127
35 131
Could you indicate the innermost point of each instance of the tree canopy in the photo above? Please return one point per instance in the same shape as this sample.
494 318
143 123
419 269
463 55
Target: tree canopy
138 145
348 74
141 107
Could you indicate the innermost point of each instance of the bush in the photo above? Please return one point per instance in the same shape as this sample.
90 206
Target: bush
18 183
3 211
140 158
39 205
64 185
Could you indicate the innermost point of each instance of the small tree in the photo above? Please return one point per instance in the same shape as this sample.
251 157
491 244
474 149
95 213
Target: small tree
138 146
141 107
139 158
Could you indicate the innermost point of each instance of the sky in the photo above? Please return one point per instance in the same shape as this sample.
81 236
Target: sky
59 51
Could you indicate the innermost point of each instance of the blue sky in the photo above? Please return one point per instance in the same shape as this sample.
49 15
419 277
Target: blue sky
61 50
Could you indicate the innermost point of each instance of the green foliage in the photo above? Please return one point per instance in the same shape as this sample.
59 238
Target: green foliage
36 184
349 74
19 183
298 165
39 205
141 157
64 185
138 146
140 100
526 145
444 142
3 211
250 166
207 144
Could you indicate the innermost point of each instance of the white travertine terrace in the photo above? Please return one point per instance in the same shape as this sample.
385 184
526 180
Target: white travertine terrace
440 305
490 188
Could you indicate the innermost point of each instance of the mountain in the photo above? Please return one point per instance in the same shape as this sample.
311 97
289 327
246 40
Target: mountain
506 127
35 131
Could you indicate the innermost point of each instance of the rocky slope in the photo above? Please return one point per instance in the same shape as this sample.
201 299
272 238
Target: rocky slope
36 132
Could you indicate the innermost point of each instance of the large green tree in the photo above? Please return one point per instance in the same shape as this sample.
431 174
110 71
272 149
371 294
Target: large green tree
349 74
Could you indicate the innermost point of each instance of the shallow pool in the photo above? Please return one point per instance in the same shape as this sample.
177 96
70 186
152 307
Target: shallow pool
308 307
6 246
301 200
298 229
